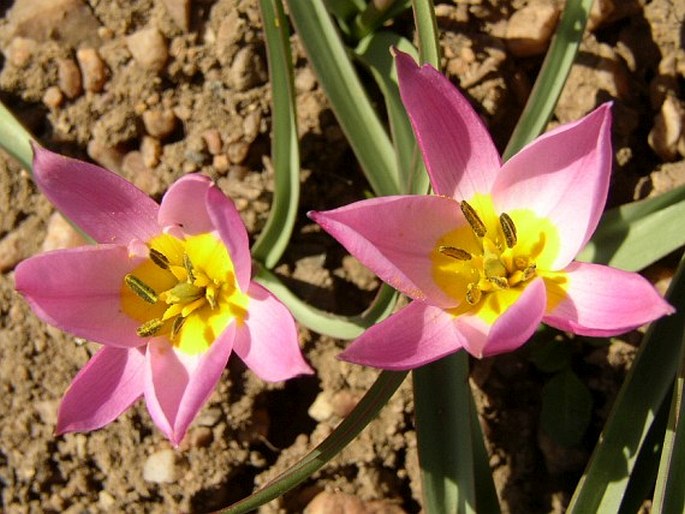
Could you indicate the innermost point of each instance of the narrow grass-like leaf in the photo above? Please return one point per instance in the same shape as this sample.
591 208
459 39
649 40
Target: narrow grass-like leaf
637 234
427 31
603 485
669 494
348 98
374 52
552 76
377 13
341 327
368 407
15 139
285 155
444 437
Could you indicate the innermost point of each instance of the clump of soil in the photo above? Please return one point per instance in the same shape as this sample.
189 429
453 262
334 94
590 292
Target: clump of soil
154 91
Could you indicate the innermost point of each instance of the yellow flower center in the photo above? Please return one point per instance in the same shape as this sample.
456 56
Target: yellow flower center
186 290
486 264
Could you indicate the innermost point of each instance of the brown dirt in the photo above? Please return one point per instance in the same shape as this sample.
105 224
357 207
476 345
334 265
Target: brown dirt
214 82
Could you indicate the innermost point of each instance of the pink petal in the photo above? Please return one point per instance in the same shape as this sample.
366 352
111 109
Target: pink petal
563 176
177 385
104 205
79 291
104 388
267 340
601 301
510 330
185 205
232 231
458 151
395 236
413 336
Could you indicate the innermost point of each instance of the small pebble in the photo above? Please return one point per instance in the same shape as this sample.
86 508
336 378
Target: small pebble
151 150
321 409
247 69
141 176
107 156
668 129
213 141
251 125
60 234
159 123
163 467
179 11
20 51
53 97
148 48
69 78
237 152
93 69
220 163
530 29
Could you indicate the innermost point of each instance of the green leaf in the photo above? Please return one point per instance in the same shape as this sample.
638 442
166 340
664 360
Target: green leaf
374 52
552 76
550 356
368 407
603 485
341 327
15 139
285 155
637 234
377 13
427 31
566 408
348 98
669 494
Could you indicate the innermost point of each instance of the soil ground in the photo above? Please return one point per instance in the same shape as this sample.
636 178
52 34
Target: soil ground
190 94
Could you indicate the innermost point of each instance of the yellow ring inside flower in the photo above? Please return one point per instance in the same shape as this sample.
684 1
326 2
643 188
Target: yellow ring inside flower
196 295
486 273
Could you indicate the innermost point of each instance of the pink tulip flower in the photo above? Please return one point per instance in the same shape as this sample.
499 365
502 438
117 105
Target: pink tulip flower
490 255
166 290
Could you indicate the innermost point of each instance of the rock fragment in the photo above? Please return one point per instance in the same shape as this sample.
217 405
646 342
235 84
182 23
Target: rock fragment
93 69
163 467
179 11
148 48
159 123
69 78
530 29
668 129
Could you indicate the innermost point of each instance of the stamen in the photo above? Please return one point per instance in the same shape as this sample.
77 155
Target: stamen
455 253
189 268
473 294
529 272
150 328
210 294
159 259
176 326
141 289
508 228
471 216
499 282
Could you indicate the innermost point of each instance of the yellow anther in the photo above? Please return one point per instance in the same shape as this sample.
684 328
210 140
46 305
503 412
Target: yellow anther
141 289
473 219
455 253
150 328
508 228
473 294
498 282
159 258
176 327
188 265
